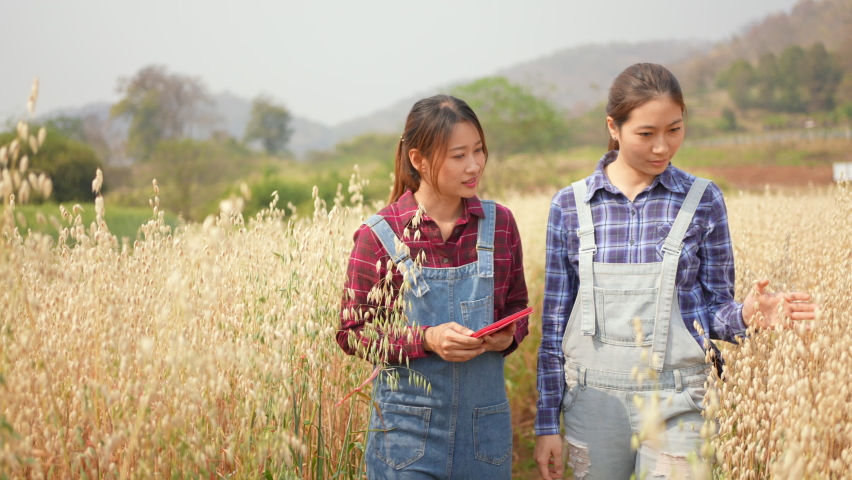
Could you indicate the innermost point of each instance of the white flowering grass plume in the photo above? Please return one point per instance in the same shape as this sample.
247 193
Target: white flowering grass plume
203 352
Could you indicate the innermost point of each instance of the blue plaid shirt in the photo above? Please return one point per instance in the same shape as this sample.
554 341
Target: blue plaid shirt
633 232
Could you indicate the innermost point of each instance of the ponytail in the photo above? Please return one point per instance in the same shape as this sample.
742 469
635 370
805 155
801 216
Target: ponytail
405 177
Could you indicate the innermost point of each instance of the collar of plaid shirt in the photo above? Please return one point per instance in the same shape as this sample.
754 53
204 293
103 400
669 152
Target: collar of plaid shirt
407 207
599 179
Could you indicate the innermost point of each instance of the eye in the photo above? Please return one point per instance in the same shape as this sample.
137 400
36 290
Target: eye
459 156
645 134
675 129
478 150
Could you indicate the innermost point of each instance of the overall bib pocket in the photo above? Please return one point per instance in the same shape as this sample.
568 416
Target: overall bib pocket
477 314
617 312
492 433
399 433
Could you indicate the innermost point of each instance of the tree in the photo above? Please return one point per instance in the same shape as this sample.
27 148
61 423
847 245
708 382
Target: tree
269 124
844 90
729 120
791 65
514 119
70 164
738 80
821 78
161 106
192 173
766 77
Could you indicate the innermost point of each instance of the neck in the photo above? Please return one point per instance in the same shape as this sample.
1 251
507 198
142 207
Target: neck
440 208
627 179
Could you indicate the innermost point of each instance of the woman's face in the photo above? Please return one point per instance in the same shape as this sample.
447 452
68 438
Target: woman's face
650 137
462 168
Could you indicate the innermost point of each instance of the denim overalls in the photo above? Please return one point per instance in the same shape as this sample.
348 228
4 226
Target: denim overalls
462 429
602 353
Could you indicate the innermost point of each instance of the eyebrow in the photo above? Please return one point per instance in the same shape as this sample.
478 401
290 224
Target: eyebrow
652 127
463 146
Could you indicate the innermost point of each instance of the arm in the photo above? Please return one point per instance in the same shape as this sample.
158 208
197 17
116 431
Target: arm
729 319
357 309
560 289
716 274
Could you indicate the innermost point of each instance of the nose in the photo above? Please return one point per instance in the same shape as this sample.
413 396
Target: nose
472 165
661 146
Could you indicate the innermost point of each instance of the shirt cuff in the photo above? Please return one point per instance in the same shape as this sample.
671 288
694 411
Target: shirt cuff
547 431
738 328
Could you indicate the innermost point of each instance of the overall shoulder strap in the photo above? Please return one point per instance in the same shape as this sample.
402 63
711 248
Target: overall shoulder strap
485 239
668 276
399 255
674 242
586 232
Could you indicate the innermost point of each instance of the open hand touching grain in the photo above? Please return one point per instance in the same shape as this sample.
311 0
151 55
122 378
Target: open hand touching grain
765 308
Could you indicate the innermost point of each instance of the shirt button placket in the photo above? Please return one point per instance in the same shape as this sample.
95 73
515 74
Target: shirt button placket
633 254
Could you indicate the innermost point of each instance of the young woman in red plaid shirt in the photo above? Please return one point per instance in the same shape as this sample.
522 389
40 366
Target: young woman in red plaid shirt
470 273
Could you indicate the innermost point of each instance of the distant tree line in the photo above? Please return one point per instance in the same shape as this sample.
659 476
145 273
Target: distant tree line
167 115
797 80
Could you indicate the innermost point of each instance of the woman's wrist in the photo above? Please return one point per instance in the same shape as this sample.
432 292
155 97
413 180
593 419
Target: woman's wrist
427 345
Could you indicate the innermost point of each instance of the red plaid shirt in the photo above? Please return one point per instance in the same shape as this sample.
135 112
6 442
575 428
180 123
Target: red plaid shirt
510 289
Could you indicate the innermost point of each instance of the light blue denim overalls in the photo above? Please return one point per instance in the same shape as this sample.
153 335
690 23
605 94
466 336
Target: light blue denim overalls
462 429
601 350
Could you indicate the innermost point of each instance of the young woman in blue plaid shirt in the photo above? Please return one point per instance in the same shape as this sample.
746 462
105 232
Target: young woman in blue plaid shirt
638 257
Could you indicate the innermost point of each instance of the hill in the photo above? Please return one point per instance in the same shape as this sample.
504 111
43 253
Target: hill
574 78
578 78
810 21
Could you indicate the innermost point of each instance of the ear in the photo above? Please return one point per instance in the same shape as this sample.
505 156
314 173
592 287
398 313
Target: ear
610 125
417 160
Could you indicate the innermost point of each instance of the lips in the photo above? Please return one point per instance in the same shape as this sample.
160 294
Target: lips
471 182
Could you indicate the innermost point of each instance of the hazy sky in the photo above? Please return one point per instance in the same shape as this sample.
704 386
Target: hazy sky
326 60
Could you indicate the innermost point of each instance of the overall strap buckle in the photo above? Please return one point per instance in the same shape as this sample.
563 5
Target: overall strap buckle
672 248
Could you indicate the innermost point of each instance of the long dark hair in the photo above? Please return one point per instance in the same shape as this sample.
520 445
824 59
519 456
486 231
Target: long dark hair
635 86
427 129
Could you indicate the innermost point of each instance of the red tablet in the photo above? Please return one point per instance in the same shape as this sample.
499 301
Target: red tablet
500 325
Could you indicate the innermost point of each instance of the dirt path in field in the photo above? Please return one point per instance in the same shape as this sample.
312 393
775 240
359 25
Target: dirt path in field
757 176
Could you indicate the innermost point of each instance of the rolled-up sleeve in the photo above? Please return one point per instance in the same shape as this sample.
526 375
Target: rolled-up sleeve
716 275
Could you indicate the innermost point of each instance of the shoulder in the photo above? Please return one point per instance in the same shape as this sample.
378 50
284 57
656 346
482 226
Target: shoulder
712 205
366 238
503 212
503 218
565 199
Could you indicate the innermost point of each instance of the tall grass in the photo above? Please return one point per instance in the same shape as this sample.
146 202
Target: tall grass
202 352
785 405
208 350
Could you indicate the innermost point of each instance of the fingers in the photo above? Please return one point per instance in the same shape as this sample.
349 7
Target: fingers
461 336
460 329
761 284
507 332
548 456
797 297
453 342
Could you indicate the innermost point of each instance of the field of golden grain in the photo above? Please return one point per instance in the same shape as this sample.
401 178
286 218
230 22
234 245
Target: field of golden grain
208 350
